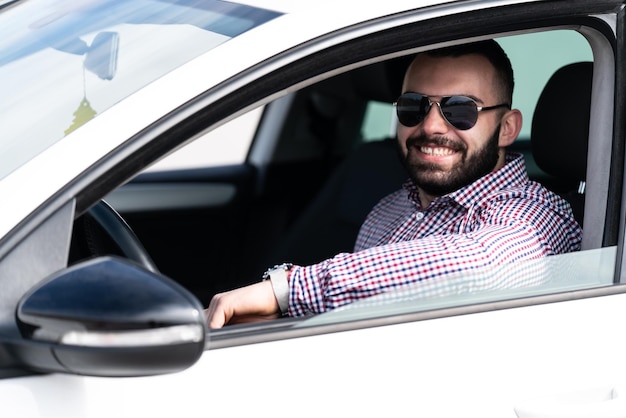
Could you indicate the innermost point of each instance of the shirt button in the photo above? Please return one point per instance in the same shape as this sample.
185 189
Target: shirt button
419 216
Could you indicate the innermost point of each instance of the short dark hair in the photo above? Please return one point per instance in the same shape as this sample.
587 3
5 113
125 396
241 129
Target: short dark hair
491 50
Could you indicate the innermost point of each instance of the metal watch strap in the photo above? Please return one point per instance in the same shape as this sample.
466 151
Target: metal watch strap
277 275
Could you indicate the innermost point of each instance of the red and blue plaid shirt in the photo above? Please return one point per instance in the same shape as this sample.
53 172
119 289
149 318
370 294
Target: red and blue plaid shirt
501 218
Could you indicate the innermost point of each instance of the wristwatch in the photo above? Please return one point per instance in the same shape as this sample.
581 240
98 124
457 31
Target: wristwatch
277 275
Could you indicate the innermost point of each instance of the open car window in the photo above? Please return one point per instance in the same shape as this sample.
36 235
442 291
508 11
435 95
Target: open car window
520 282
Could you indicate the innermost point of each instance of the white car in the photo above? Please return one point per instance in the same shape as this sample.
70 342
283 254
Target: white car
156 152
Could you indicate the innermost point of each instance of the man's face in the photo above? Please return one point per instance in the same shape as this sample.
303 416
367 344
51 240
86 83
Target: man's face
440 158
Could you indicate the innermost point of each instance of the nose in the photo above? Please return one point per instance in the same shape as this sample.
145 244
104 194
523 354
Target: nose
434 122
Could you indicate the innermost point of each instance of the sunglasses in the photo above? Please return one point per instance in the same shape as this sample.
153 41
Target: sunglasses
459 111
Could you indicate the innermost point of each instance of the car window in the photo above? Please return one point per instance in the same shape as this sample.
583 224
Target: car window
226 145
535 58
379 122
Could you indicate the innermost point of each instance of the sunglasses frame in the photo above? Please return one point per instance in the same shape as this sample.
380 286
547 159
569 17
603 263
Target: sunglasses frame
418 97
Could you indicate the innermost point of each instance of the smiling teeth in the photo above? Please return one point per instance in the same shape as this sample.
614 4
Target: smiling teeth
436 151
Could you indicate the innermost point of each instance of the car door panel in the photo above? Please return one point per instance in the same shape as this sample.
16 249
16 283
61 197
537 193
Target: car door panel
489 364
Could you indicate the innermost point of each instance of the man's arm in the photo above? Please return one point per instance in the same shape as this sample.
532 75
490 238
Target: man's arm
251 303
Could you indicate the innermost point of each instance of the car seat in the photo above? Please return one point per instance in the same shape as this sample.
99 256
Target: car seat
560 131
331 223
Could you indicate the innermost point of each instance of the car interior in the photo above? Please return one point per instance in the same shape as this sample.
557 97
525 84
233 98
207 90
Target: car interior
307 203
556 127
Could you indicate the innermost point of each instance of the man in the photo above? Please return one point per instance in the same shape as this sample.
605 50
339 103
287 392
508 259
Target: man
468 205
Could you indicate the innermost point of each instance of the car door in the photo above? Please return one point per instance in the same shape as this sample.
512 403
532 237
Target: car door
537 354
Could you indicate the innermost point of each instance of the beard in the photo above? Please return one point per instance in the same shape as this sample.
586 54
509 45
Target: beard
437 181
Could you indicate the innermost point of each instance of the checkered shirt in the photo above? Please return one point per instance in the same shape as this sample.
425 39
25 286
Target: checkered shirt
501 218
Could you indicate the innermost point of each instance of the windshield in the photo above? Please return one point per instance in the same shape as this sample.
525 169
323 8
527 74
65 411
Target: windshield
64 62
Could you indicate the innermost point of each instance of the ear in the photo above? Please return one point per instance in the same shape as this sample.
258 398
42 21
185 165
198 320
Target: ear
510 126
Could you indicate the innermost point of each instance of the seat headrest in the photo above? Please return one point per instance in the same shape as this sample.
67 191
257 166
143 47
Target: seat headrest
560 126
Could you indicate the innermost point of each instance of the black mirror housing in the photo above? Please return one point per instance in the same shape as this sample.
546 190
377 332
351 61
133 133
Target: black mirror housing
110 317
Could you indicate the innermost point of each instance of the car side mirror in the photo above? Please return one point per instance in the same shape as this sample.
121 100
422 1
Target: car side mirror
110 317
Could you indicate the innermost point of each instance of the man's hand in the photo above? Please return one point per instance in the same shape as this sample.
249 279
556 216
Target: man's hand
251 303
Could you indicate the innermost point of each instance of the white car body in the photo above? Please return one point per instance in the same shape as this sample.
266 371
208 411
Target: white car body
555 353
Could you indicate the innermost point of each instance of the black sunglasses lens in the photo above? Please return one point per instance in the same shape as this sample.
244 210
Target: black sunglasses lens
412 109
460 111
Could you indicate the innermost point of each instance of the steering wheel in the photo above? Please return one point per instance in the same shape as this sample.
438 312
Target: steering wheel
102 230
